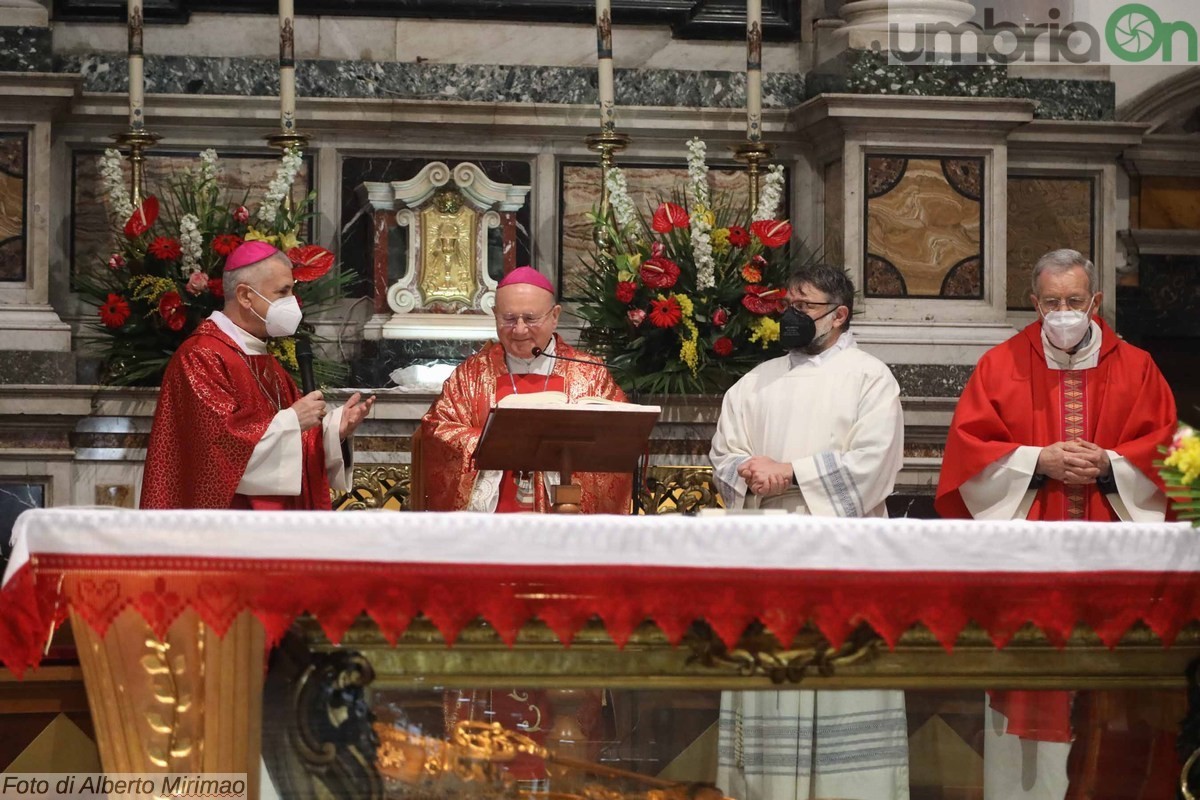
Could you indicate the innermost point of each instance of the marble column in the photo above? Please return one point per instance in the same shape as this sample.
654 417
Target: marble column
23 13
383 219
866 24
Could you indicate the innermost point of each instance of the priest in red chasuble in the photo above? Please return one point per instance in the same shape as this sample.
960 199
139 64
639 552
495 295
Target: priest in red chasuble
231 429
1061 422
526 316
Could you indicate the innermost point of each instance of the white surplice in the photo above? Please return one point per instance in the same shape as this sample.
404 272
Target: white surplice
836 418
276 464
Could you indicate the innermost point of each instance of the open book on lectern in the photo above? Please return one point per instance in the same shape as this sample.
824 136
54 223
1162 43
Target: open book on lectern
541 431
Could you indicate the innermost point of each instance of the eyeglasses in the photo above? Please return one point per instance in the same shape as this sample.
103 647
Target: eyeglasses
805 306
1052 304
531 321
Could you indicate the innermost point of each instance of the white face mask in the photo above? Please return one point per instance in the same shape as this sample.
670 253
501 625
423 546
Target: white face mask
283 315
1066 329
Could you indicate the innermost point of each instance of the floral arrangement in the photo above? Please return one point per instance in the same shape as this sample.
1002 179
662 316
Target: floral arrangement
164 276
689 300
1179 469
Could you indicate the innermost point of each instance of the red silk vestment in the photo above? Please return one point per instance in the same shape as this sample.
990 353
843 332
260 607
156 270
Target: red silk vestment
1123 404
216 402
451 429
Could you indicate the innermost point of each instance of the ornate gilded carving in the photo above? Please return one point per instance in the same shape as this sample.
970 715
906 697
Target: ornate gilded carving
759 653
448 273
475 752
678 490
377 488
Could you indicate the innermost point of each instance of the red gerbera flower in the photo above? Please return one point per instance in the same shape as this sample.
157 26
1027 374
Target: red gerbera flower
115 311
625 291
764 300
225 243
665 313
659 273
738 236
668 216
309 262
171 309
772 233
723 346
165 248
142 218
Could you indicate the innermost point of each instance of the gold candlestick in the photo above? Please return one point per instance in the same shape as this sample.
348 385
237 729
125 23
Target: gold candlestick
607 143
138 141
754 153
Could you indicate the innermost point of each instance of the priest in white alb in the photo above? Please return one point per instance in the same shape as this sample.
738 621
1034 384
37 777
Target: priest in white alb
817 431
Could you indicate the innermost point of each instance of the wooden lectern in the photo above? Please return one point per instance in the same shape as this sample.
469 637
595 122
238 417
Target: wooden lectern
566 439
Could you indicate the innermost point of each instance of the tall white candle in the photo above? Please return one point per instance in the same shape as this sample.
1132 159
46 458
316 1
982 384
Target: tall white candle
754 70
287 66
137 89
604 64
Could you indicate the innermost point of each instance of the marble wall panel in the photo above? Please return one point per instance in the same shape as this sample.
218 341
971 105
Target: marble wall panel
1170 203
1044 214
355 247
923 227
579 193
238 175
15 498
834 251
14 160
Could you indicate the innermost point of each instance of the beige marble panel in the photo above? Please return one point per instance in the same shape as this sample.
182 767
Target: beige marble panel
923 226
835 214
234 36
356 39
13 152
580 193
90 221
1044 214
1170 203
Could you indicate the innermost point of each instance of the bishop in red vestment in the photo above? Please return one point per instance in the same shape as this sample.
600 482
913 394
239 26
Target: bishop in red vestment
526 316
1061 422
231 429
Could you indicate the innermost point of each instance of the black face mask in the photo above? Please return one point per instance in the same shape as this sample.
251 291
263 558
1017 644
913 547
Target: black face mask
797 329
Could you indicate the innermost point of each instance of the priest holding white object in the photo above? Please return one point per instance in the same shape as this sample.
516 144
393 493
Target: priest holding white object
818 431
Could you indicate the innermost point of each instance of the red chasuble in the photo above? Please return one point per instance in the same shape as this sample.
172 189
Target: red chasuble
451 429
1013 399
215 405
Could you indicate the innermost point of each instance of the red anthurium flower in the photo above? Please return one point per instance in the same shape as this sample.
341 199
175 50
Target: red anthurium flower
723 346
309 262
668 216
115 311
171 309
720 317
225 243
764 300
738 236
165 248
772 233
659 273
142 218
625 291
665 313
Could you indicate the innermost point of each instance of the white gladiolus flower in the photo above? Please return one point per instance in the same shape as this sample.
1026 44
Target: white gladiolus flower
770 195
280 185
114 185
700 227
208 165
618 196
698 171
191 242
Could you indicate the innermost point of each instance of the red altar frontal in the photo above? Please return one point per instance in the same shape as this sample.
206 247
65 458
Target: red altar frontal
183 604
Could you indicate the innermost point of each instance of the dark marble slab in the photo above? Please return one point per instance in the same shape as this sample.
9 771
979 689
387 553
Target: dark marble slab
861 72
449 82
931 380
15 498
26 49
36 366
